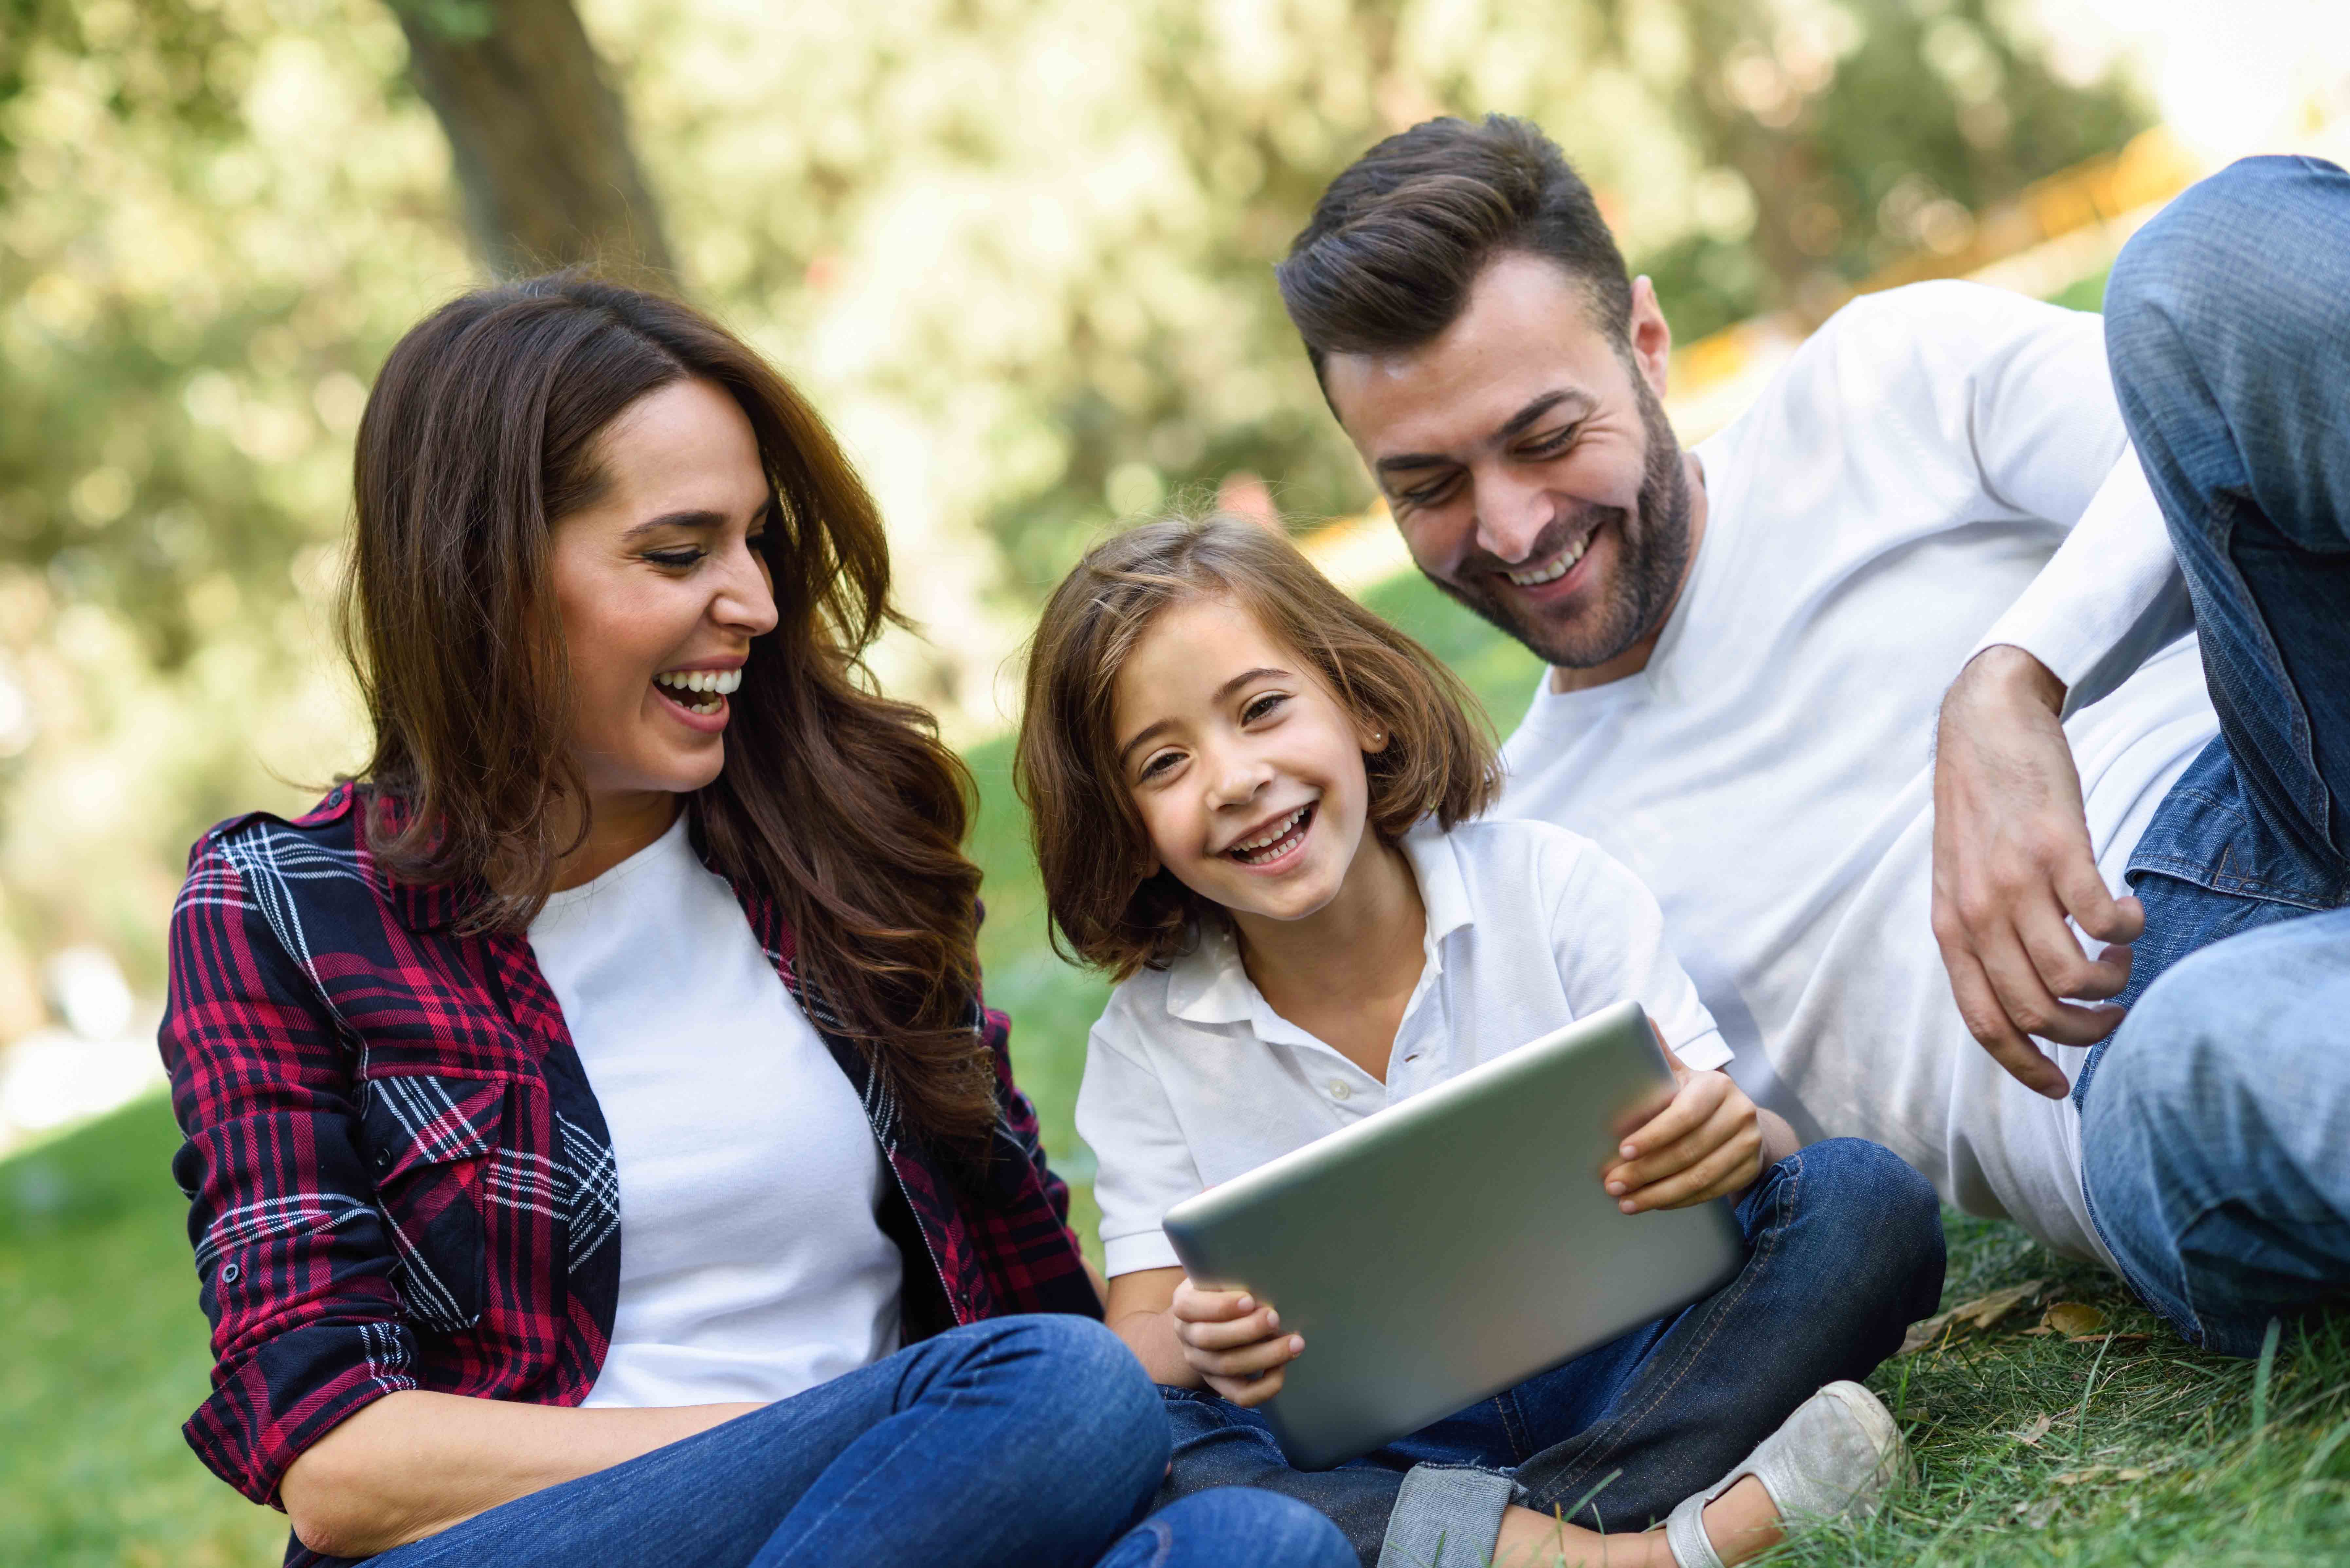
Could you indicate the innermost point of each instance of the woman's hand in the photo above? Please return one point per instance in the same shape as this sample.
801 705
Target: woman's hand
1233 1342
1708 1142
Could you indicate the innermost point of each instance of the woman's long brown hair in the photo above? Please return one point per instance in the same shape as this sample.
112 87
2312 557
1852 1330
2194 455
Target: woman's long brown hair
844 807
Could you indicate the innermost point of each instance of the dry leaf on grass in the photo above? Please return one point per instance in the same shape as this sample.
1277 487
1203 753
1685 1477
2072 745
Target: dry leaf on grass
2030 1436
1979 1314
2072 1317
2092 1472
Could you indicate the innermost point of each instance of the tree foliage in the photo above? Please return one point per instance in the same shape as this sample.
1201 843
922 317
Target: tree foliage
1019 250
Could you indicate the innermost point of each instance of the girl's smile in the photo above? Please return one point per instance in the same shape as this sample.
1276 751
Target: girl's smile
1277 846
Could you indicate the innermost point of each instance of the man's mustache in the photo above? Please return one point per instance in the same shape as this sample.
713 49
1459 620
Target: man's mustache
1555 537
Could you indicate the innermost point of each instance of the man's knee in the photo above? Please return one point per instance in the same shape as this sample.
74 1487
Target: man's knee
2235 1042
2188 283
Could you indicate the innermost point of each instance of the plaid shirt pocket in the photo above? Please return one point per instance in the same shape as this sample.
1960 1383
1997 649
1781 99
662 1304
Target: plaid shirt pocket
429 1142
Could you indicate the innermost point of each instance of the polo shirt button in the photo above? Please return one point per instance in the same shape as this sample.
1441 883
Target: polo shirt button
383 1159
1341 1090
231 1274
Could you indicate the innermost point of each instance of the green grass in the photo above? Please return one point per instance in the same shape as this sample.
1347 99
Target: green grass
103 1356
102 1350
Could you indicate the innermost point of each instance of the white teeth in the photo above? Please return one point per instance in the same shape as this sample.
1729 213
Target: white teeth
722 682
1555 570
1272 835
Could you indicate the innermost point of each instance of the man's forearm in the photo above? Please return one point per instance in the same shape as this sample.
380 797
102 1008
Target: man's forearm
2004 673
414 1463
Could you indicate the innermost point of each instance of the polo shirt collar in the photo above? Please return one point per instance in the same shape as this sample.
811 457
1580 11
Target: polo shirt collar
1444 891
1209 984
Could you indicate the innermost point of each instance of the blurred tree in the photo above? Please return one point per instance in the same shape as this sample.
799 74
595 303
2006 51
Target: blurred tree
1847 133
539 137
1019 251
214 217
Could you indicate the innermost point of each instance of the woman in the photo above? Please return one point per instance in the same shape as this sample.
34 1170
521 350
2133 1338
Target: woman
596 1145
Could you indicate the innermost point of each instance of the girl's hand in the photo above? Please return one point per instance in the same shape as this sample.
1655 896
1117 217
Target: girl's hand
1233 1342
1706 1143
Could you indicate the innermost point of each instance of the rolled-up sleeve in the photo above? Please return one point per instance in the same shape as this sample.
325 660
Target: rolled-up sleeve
293 1259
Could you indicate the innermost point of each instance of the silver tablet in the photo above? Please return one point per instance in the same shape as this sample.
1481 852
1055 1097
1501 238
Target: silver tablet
1447 1248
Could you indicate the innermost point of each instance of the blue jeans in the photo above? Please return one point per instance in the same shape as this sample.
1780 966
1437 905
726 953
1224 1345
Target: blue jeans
1025 1442
2226 327
1844 1252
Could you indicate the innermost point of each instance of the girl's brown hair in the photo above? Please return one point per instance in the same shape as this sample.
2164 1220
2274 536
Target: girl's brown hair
1107 907
480 436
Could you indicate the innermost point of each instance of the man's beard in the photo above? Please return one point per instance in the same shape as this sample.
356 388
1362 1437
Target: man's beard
1653 546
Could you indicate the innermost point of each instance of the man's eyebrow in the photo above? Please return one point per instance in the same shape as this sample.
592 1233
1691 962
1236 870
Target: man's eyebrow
1519 421
1514 426
1226 690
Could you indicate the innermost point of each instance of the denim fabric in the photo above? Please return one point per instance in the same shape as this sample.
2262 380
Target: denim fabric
1023 1442
1232 1527
1845 1252
2228 326
2212 1149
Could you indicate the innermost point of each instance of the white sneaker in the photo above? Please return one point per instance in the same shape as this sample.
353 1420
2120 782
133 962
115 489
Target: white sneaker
1839 1454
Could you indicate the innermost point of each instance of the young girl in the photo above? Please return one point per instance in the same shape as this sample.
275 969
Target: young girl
1254 802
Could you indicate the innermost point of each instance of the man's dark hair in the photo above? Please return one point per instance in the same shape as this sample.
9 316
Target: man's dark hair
1396 239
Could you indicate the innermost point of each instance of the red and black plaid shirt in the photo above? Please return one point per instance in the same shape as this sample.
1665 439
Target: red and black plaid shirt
398 1177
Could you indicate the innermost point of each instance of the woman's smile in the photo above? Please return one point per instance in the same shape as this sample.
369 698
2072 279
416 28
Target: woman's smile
698 696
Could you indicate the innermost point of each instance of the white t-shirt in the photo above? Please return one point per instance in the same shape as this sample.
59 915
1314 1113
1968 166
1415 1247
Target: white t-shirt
1191 1078
753 1265
1898 490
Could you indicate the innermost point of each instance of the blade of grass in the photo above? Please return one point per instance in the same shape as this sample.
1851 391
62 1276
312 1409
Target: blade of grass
2324 1450
2081 1421
2261 1380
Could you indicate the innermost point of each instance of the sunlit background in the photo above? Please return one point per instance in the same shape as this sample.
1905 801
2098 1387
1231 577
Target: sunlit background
1019 253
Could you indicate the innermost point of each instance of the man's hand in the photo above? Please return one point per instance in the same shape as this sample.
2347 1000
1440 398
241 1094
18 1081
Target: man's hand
2012 860
1706 1143
1233 1342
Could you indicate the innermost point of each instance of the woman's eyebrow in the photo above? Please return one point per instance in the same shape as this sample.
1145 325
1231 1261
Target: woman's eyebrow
693 519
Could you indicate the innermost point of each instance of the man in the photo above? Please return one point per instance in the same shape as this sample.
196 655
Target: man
1749 645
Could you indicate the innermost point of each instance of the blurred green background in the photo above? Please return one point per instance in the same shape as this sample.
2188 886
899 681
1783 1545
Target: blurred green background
1018 250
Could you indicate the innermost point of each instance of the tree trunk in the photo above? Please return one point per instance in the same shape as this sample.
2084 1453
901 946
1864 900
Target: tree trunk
539 138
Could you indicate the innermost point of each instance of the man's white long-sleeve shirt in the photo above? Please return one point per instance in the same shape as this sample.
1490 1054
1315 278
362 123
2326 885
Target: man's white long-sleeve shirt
1940 468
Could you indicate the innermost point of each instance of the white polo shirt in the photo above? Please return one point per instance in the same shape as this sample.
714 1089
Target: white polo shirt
1191 1078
